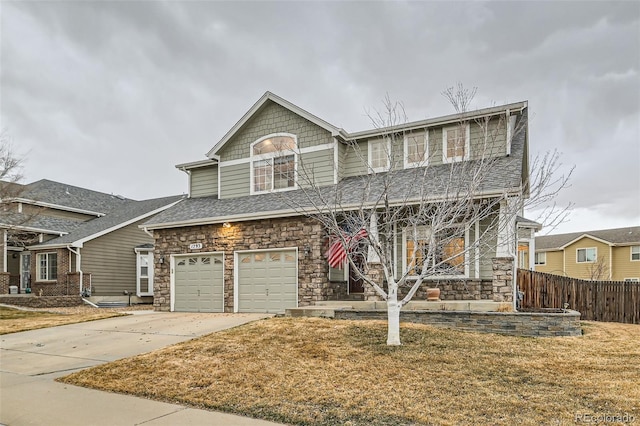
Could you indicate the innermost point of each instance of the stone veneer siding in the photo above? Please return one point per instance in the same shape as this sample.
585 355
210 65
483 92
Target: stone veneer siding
32 301
502 279
300 232
511 323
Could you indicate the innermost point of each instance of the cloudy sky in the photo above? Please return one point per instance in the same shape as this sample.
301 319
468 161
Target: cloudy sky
110 95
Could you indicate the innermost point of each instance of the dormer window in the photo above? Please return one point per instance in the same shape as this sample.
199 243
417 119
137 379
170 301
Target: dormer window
273 163
416 149
379 152
455 143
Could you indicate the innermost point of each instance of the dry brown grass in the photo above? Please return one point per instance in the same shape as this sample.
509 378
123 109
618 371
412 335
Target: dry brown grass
325 372
15 320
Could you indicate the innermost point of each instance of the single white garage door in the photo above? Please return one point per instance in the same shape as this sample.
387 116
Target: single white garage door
267 281
199 283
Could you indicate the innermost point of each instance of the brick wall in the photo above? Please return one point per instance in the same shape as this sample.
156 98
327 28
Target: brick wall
32 301
5 277
58 287
511 323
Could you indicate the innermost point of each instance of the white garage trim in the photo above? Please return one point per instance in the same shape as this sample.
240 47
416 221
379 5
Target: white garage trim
235 271
172 273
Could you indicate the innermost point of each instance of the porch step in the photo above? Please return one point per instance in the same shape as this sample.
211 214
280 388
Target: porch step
354 296
113 304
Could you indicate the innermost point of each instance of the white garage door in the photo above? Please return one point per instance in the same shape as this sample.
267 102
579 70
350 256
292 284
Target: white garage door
199 283
267 281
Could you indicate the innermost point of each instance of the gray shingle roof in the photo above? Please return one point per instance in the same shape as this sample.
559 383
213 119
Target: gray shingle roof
58 193
54 225
126 212
629 235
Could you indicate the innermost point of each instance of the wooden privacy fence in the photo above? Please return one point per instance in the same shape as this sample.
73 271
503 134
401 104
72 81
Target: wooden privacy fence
613 301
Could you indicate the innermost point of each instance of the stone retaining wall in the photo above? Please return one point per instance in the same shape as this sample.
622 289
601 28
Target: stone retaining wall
32 301
532 324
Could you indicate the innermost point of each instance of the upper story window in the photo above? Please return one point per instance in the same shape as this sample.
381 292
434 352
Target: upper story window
635 252
379 153
586 255
416 150
273 163
455 143
47 266
541 258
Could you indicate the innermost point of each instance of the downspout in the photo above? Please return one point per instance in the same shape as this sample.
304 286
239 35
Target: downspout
78 266
146 231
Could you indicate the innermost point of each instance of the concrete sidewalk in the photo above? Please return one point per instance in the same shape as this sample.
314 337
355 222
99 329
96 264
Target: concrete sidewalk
31 360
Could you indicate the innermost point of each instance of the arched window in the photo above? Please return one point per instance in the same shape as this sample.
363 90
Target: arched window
273 163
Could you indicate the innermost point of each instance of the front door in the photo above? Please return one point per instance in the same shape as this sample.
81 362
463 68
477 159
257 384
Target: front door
356 283
25 270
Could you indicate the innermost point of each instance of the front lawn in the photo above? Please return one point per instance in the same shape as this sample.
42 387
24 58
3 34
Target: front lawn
15 320
312 371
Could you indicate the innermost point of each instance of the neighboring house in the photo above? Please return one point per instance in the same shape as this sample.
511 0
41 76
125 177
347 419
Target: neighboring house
608 254
237 244
57 236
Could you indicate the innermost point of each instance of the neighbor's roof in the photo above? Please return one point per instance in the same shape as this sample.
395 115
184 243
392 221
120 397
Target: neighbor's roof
408 184
38 223
60 194
130 212
617 236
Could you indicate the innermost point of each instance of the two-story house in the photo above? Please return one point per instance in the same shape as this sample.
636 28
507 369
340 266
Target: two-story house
240 242
602 255
57 236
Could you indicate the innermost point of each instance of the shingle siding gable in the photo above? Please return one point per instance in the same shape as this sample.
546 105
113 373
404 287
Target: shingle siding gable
273 118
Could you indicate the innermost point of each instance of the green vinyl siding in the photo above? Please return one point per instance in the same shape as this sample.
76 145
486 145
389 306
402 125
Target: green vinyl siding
204 182
490 142
111 261
273 118
316 166
235 180
354 159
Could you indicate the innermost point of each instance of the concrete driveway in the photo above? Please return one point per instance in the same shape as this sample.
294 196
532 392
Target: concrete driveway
31 360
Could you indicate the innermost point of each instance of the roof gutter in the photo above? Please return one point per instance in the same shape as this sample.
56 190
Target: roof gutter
78 267
57 207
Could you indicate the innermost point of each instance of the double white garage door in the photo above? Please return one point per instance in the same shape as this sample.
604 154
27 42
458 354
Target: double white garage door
264 281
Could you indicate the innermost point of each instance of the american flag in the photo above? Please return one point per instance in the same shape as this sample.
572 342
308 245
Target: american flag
337 253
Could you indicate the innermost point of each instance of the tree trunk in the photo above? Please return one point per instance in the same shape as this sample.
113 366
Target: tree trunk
393 318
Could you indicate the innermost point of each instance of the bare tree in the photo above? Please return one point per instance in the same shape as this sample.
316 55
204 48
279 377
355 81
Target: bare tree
11 219
598 270
10 171
430 205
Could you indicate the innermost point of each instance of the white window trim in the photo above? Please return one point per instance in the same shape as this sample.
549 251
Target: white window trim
467 144
631 254
148 277
438 277
270 156
632 280
424 161
587 248
388 153
535 260
47 279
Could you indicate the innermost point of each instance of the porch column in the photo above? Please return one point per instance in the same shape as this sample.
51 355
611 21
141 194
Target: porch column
506 243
